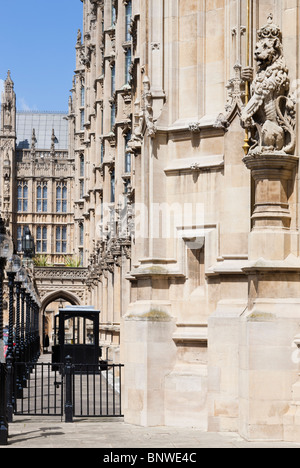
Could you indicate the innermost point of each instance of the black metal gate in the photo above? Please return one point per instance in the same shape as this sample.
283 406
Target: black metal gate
44 389
96 391
41 393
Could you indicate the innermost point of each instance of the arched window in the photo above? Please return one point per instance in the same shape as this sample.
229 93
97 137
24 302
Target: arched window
42 198
113 115
112 186
81 189
128 15
61 197
81 162
82 96
61 239
81 119
41 239
81 234
127 65
113 79
22 196
127 155
113 14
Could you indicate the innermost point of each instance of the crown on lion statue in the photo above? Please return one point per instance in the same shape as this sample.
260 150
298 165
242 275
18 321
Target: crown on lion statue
270 30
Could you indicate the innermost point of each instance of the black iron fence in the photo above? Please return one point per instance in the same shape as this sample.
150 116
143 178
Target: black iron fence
73 391
3 405
70 390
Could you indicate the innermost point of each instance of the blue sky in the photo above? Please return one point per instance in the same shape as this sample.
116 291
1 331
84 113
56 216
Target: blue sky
37 44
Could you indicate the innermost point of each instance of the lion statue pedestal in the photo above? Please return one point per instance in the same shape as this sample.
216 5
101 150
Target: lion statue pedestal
270 118
274 180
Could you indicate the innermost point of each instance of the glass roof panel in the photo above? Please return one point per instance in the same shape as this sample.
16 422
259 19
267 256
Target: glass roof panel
43 123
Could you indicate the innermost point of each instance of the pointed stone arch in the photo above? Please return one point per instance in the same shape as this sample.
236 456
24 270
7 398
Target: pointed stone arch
58 282
59 294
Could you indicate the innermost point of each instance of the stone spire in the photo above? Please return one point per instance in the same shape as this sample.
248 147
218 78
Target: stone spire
53 141
7 150
8 107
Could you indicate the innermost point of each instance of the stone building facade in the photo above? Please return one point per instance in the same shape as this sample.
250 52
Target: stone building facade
101 122
192 249
38 174
37 171
185 220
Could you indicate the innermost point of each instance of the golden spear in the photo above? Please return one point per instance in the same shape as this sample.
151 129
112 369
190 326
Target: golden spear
246 146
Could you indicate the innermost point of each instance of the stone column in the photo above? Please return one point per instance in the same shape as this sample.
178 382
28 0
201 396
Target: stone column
149 353
271 320
268 326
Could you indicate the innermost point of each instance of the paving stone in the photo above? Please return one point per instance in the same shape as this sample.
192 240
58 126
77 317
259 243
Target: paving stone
98 433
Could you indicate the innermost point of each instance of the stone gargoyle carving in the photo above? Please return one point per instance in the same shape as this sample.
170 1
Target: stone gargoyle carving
270 113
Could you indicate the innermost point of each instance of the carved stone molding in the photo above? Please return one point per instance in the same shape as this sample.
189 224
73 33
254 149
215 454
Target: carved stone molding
60 273
235 103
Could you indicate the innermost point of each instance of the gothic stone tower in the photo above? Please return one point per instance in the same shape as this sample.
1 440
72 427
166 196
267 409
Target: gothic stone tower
7 150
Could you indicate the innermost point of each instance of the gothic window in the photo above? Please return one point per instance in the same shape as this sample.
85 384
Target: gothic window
41 239
61 239
113 14
81 160
82 96
22 196
128 15
61 197
82 119
113 115
127 154
81 234
112 187
81 189
42 198
113 79
81 174
82 104
127 65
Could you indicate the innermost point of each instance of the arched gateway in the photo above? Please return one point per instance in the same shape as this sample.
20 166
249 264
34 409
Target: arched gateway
60 294
64 284
61 283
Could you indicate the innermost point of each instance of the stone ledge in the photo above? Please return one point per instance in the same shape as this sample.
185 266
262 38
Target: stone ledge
208 162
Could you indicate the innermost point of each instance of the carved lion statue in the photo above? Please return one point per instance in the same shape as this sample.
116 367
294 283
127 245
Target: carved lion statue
270 113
